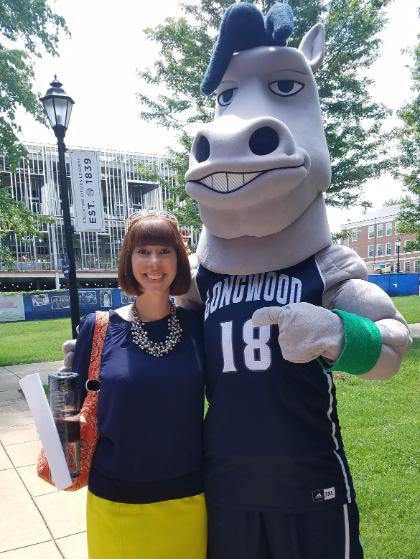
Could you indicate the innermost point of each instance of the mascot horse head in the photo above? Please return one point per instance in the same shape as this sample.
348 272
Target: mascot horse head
263 161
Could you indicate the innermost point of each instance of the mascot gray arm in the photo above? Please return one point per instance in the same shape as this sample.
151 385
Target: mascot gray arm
308 332
68 350
191 300
356 295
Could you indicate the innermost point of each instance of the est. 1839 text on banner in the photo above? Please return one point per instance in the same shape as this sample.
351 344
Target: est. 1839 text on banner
85 173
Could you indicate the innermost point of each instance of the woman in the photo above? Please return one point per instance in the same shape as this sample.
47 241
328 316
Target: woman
145 489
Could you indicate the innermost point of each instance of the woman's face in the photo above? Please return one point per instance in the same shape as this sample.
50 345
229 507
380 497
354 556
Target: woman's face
154 268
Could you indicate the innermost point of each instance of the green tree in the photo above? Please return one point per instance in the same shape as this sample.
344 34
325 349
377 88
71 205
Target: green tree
342 235
408 168
15 217
352 119
32 25
183 207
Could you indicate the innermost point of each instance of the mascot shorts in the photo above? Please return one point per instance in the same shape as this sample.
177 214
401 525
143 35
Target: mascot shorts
163 530
328 533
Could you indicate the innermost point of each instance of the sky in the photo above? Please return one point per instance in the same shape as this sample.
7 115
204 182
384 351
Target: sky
98 68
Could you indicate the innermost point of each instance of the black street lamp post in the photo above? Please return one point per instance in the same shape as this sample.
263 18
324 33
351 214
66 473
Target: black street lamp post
398 254
58 106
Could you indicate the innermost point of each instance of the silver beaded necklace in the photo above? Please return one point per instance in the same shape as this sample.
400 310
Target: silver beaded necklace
157 349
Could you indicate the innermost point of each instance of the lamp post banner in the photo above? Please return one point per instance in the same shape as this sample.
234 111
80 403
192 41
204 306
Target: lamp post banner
85 174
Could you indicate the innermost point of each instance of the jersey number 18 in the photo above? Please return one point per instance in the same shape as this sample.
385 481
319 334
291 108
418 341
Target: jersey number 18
257 352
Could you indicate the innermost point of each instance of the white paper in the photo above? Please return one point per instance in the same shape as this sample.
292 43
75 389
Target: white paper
41 412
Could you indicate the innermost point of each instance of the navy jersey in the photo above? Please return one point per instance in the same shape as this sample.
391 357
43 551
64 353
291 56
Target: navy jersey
272 435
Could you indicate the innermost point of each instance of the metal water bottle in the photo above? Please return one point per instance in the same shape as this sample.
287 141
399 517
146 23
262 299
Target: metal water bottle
64 397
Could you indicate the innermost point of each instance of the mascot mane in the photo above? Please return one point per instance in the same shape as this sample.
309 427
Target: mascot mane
244 27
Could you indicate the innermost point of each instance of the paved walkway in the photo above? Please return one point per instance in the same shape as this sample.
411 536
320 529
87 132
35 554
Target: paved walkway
37 521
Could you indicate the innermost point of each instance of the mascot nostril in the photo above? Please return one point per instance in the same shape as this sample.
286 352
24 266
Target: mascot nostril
264 141
202 151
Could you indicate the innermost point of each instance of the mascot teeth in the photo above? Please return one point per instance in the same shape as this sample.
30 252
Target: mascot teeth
228 182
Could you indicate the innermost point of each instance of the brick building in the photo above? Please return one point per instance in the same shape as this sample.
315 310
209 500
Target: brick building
375 239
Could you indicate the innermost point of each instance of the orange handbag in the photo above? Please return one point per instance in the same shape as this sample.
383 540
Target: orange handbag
89 433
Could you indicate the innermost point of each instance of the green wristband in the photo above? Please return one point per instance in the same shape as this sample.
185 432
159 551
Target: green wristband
362 345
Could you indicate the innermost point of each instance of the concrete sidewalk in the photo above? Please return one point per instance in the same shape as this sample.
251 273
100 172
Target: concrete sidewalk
37 521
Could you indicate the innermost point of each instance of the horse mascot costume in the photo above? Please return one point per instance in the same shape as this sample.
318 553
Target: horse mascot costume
283 306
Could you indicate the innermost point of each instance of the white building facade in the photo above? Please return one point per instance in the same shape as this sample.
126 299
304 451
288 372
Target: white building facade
35 183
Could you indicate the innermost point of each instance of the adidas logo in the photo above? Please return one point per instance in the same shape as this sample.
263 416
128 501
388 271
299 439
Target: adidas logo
323 494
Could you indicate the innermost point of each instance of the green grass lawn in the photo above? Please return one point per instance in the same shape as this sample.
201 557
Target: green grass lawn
33 341
41 340
381 424
409 307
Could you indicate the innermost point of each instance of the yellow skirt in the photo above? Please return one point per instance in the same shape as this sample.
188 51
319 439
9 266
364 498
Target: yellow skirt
163 530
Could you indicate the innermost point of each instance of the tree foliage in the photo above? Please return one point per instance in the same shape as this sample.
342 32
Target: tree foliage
408 168
183 207
352 119
35 28
32 25
14 216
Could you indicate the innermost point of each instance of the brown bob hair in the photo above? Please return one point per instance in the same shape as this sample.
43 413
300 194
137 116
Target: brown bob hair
153 230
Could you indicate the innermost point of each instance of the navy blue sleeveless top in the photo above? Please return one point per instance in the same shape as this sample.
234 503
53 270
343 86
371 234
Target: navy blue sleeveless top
150 412
272 437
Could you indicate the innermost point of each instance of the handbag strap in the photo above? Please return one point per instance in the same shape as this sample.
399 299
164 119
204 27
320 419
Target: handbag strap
99 334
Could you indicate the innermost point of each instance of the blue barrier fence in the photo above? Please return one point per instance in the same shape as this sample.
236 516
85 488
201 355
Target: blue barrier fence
56 304
397 284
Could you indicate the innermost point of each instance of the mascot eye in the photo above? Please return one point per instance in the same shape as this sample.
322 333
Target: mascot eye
285 88
226 97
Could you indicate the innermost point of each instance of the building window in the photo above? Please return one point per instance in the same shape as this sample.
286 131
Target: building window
379 251
371 250
379 229
417 266
371 231
389 229
405 246
354 234
407 267
388 249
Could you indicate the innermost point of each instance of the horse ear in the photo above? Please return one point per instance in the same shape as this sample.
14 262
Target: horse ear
313 46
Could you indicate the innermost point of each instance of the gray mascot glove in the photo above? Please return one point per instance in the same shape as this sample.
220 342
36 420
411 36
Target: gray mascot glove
306 331
68 350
